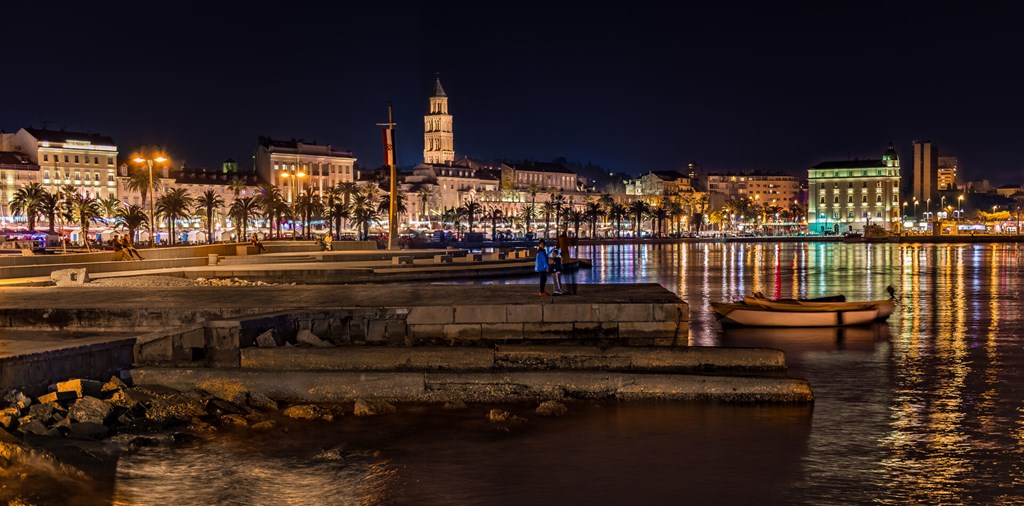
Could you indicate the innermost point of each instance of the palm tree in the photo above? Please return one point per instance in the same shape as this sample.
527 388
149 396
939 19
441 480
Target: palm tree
639 209
208 203
471 209
109 206
138 180
174 205
527 215
347 190
532 190
425 193
494 215
548 207
132 218
335 209
85 210
616 212
384 206
271 204
310 208
28 202
363 212
236 185
659 214
242 210
576 217
51 207
593 211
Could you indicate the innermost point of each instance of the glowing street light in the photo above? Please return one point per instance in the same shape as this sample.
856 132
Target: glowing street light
152 196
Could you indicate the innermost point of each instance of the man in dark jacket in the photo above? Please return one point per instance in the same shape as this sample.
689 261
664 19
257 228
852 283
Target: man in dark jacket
541 266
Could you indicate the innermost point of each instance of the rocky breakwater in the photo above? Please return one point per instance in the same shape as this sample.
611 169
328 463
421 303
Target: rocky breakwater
66 443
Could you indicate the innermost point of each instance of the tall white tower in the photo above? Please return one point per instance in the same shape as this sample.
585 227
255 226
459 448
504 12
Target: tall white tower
438 139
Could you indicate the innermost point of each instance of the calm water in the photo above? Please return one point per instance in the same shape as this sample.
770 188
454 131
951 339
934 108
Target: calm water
927 409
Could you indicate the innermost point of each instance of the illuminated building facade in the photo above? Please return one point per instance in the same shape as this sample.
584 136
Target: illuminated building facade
438 137
848 195
320 166
86 161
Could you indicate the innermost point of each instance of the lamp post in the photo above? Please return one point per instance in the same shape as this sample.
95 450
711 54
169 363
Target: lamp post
293 179
915 209
960 207
152 196
904 210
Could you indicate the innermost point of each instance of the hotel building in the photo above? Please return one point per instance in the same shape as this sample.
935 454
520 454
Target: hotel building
848 195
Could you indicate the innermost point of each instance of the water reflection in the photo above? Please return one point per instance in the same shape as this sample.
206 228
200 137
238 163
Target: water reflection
930 414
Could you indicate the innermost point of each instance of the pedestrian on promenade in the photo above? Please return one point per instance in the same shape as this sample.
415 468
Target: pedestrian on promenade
328 240
556 269
118 249
255 241
128 249
541 266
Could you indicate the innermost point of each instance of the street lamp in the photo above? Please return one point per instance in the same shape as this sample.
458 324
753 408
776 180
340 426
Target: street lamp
152 196
915 209
904 209
960 206
291 198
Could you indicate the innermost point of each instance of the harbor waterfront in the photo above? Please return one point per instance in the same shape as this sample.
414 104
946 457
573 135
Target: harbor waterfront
924 409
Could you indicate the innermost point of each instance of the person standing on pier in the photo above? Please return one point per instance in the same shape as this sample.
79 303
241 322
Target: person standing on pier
541 266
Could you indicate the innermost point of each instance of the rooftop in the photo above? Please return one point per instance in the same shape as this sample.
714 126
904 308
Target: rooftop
540 167
851 164
63 136
12 160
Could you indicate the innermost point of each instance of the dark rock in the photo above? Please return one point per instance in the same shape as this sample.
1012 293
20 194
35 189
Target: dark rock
260 401
266 340
63 397
220 407
90 409
197 425
308 412
113 385
29 425
177 408
306 337
503 417
551 408
81 387
233 421
43 412
87 430
372 408
130 397
455 404
265 425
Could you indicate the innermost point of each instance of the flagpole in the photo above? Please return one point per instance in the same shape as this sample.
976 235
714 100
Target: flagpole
389 159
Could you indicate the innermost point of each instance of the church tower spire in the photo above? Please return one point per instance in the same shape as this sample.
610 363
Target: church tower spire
438 139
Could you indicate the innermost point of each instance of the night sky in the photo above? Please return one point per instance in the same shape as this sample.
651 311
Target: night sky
631 89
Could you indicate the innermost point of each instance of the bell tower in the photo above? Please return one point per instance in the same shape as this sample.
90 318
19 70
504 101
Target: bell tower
438 139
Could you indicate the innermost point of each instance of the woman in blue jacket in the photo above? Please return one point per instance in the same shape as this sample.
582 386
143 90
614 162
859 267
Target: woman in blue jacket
542 266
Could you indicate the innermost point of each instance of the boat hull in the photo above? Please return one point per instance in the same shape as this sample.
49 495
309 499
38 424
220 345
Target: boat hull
884 307
743 315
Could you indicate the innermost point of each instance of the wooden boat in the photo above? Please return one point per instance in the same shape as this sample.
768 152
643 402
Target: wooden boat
824 314
884 307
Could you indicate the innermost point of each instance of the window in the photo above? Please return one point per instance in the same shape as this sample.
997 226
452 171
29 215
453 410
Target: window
86 161
96 160
66 159
835 200
849 214
878 198
878 184
849 199
76 159
864 199
110 161
878 214
835 215
110 179
46 157
96 177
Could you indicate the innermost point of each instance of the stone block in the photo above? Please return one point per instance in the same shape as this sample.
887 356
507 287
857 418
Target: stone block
501 330
396 331
425 332
592 330
670 312
431 315
524 313
483 313
561 313
69 277
81 387
57 397
639 330
376 331
156 351
547 330
357 329
91 410
625 313
462 332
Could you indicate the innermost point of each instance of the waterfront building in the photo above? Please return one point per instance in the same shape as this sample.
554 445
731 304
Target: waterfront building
16 170
438 136
538 176
925 171
770 188
659 183
848 195
87 161
432 188
946 173
318 167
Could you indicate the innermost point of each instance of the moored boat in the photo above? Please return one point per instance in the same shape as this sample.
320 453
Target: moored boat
884 307
795 314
